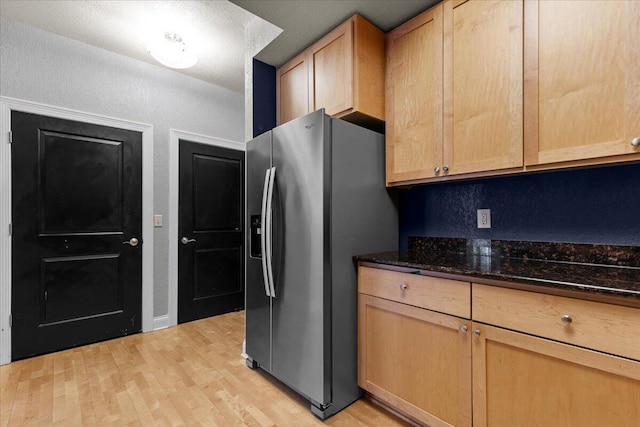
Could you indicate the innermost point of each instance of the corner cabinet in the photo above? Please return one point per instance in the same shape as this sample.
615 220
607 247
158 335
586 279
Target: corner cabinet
343 73
582 82
410 357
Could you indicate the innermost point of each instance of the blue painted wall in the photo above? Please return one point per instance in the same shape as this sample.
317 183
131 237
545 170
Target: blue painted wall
264 97
596 205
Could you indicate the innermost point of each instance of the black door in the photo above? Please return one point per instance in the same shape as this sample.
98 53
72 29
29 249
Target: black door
76 207
211 224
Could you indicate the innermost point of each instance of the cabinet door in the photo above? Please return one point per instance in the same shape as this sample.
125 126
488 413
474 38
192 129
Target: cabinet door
416 360
331 71
293 89
582 80
414 98
521 380
482 85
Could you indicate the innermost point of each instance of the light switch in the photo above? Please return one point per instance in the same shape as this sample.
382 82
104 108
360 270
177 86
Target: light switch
157 220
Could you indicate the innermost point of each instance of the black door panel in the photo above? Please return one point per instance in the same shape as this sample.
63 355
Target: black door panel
217 204
217 272
76 197
76 287
211 206
71 169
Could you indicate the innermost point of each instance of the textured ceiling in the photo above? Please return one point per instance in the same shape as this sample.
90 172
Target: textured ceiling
214 29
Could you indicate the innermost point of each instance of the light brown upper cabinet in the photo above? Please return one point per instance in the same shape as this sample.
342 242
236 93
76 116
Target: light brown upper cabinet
292 89
332 65
344 75
483 112
414 98
454 91
582 81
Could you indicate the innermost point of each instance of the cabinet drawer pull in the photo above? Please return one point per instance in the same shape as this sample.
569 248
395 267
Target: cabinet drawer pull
476 332
635 142
403 286
464 328
566 318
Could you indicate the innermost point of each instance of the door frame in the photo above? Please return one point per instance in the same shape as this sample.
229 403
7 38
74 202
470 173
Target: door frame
174 192
7 106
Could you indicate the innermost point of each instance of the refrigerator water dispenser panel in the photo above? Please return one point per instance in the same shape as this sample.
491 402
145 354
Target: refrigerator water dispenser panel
254 237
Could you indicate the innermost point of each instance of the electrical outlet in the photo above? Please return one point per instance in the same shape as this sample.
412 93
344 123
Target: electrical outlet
157 220
484 218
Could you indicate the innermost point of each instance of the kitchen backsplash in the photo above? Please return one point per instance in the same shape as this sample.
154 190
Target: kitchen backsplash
592 206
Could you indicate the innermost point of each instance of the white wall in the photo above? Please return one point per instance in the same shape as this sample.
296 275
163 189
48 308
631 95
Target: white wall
46 68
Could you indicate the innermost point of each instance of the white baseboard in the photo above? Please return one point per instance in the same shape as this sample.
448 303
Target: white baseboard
161 322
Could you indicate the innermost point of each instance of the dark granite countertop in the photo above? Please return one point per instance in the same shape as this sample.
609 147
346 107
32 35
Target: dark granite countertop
596 272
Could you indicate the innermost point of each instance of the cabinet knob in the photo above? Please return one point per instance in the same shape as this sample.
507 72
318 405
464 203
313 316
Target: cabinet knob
436 169
476 332
635 142
464 328
403 286
445 168
566 318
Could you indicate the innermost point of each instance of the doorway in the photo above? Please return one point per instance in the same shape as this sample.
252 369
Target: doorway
210 230
76 233
7 107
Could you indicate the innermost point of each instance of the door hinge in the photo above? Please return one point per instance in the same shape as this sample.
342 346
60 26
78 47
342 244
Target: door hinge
10 320
10 137
46 295
10 229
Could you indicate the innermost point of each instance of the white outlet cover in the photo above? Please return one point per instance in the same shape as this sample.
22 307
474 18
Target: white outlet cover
484 218
157 220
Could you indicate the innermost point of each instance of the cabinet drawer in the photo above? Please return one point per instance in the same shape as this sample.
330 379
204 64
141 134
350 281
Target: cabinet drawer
605 327
443 295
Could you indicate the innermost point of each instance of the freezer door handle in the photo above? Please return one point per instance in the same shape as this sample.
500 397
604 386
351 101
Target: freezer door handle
269 236
263 245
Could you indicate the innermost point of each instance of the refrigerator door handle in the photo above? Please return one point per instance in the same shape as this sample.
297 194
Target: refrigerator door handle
263 245
269 236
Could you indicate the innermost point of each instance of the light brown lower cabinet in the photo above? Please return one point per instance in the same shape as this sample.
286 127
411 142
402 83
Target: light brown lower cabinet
571 362
522 359
522 380
416 360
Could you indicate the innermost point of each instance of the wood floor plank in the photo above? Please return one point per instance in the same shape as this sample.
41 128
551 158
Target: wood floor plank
191 374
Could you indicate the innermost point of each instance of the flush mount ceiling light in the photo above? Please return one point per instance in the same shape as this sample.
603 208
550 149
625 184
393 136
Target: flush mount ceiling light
171 51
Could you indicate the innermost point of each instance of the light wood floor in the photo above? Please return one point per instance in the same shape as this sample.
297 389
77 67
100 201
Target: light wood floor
191 374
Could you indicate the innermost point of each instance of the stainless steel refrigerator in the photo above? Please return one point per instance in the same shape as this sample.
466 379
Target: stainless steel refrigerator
316 196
